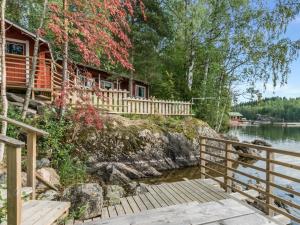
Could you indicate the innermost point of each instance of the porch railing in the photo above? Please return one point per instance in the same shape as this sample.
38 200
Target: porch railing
267 172
119 102
18 70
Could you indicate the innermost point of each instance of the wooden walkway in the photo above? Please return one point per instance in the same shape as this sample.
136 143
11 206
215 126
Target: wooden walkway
184 202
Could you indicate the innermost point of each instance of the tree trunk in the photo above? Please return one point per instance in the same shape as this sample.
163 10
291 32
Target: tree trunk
219 100
3 75
205 77
65 64
190 72
34 63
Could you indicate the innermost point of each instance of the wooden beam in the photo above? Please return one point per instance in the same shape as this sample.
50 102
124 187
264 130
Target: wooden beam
24 126
14 200
31 161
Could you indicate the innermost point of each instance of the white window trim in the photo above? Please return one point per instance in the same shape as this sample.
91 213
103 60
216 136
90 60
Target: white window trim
108 82
26 54
136 90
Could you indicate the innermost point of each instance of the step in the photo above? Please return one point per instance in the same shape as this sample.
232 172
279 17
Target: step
226 211
36 212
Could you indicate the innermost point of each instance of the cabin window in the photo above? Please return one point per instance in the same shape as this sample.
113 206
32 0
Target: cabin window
140 91
107 85
15 48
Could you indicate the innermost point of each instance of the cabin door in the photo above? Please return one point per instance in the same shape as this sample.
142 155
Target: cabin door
16 63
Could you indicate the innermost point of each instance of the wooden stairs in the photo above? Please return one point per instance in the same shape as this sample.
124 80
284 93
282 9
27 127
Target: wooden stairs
20 211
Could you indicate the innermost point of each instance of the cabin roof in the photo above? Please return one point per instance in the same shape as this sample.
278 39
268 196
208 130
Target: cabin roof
235 114
30 34
112 73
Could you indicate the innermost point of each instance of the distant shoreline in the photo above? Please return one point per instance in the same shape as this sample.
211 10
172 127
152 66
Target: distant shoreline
257 123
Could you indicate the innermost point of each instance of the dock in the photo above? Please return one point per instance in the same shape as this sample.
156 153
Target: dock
188 202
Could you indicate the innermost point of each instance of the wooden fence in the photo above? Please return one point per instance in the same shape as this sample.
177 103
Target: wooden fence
266 174
119 102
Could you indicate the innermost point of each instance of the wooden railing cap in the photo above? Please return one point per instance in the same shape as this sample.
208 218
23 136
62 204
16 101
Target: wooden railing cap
11 141
24 126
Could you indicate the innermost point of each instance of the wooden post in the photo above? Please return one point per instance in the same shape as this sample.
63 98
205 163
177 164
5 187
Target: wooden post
14 200
269 178
227 179
31 161
202 156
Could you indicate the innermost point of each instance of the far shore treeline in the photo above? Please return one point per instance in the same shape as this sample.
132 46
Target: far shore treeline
276 109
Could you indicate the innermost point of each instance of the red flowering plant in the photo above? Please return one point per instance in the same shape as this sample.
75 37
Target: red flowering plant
98 29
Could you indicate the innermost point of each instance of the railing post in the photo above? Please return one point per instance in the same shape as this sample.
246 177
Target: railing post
31 161
14 199
228 157
202 157
269 178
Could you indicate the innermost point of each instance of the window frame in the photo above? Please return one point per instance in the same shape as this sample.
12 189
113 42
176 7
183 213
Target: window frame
137 91
103 82
26 42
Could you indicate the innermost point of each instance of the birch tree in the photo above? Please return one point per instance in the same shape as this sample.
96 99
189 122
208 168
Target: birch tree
3 76
31 78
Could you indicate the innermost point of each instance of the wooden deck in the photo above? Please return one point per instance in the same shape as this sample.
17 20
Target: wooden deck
172 199
43 212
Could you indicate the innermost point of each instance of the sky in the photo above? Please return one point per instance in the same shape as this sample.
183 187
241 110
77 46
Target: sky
292 89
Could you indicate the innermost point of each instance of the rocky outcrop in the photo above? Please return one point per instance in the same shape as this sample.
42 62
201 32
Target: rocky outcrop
87 199
147 146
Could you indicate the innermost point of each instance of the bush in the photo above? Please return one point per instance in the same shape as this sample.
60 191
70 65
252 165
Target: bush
57 146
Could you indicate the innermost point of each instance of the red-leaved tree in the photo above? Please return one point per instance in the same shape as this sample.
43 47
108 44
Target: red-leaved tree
97 28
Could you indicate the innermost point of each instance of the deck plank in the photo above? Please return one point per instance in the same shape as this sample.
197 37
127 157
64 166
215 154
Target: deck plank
133 204
152 195
43 212
139 203
146 201
186 214
126 206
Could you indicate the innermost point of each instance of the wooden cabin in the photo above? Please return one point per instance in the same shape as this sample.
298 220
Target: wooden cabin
19 53
235 116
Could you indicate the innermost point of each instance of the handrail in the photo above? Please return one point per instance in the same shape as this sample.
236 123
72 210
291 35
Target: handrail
24 126
226 160
32 134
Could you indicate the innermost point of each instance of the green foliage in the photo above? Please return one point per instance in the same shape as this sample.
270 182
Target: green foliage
276 108
58 147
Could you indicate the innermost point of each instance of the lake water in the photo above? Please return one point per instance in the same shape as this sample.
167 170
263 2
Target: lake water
277 136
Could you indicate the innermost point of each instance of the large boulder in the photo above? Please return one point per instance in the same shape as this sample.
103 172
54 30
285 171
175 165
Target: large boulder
86 198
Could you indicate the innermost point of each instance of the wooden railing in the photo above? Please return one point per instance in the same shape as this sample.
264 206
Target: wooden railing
268 172
119 102
18 69
13 149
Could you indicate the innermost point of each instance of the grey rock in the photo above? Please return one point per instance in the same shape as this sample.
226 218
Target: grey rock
49 175
88 198
14 98
261 142
114 193
44 162
116 177
49 195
